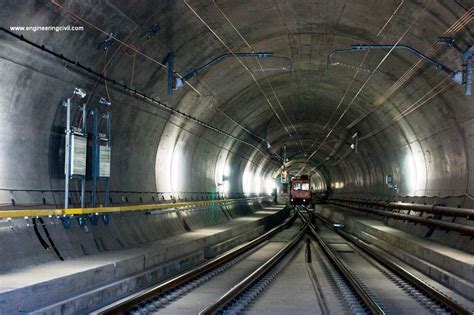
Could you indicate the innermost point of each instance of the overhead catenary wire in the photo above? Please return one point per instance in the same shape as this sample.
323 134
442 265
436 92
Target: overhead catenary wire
370 76
241 62
135 52
453 29
77 17
359 68
332 116
390 18
420 102
262 69
417 104
128 89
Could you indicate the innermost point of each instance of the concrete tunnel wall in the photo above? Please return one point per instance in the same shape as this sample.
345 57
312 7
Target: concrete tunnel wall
429 152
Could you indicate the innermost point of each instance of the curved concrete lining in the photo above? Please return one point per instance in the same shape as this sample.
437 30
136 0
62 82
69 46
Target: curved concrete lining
428 151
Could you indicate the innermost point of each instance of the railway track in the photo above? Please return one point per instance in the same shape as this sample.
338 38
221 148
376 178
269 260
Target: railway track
391 288
365 282
157 297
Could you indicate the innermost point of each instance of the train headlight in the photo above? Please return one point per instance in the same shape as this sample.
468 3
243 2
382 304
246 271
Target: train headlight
304 200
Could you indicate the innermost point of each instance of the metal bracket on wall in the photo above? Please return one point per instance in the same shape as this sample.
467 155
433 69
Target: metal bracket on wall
153 30
355 142
107 42
94 218
463 76
66 222
82 222
106 218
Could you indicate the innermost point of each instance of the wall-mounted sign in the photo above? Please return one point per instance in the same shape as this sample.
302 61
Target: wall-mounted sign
104 161
78 155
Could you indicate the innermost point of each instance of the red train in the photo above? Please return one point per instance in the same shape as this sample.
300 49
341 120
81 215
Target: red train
300 190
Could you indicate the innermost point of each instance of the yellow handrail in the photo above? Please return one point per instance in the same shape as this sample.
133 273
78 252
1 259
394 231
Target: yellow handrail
78 211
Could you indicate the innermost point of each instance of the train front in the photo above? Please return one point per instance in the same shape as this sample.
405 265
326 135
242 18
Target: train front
300 191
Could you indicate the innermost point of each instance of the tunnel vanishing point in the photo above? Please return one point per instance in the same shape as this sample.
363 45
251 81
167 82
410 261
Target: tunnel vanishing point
143 143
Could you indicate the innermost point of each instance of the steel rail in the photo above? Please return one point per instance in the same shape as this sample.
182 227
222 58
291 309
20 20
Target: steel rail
254 276
450 226
421 285
372 306
122 307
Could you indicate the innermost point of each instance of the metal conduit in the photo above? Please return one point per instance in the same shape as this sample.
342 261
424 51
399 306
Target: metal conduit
460 228
448 211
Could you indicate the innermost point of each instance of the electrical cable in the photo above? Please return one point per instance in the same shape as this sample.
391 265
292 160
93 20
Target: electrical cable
420 102
77 17
50 239
358 69
351 83
261 67
38 235
241 62
370 76
390 18
135 51
126 88
453 29
133 71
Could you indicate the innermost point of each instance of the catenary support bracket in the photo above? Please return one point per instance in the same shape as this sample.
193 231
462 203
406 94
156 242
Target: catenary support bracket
463 76
180 81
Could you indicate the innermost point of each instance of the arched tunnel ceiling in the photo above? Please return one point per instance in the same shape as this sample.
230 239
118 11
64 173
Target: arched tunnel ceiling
311 108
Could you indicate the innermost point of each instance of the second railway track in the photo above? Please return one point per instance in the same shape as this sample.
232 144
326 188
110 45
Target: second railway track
336 273
390 288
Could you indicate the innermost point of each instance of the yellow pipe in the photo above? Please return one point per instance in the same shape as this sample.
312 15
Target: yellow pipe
78 211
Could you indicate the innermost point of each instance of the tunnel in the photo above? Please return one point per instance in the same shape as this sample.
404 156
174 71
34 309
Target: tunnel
140 140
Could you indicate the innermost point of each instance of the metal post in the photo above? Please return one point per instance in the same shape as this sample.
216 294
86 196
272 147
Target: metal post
95 153
84 131
107 185
67 165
